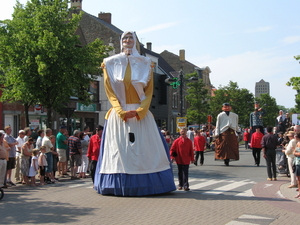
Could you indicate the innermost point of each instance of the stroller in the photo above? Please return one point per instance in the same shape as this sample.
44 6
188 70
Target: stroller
281 162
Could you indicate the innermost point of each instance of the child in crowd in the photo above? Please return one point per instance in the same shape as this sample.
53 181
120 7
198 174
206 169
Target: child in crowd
34 166
42 164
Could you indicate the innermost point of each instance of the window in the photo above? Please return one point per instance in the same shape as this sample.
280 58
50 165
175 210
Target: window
94 90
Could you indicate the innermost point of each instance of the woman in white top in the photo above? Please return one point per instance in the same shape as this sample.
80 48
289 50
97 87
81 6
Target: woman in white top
289 152
134 156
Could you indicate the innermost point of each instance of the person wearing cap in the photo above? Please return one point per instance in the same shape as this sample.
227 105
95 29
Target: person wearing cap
62 145
227 146
21 141
256 119
289 152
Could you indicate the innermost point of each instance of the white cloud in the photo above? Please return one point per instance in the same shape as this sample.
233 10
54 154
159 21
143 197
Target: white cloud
157 27
291 39
258 29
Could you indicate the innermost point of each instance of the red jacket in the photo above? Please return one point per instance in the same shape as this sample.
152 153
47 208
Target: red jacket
94 148
256 140
184 150
199 143
246 136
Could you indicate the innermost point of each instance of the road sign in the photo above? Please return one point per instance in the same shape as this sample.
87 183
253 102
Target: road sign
181 123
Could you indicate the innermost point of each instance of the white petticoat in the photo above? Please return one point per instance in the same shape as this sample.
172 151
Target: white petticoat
145 155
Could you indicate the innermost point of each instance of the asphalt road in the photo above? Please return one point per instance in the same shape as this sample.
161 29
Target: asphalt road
237 194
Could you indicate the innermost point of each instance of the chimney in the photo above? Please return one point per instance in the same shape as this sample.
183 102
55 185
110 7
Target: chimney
149 46
105 17
182 55
77 4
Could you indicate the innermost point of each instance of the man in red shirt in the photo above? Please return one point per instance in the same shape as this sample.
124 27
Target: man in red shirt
94 150
199 146
182 152
255 144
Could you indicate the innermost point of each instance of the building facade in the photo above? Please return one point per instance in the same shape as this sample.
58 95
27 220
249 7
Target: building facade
175 106
262 87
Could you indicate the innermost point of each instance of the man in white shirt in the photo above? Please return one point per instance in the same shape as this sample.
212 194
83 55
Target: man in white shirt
227 146
21 141
49 157
190 134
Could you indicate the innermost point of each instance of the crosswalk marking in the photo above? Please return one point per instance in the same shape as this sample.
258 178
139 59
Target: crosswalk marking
225 186
252 219
203 184
197 184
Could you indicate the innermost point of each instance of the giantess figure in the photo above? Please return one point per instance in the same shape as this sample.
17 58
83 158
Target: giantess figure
227 146
134 157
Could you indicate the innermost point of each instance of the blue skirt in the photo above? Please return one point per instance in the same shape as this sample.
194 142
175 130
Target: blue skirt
122 184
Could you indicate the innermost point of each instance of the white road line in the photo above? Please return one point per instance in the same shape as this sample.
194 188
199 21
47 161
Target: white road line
226 188
247 193
278 193
252 220
204 184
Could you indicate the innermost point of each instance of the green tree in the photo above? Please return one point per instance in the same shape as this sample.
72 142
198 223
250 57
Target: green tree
42 58
295 83
197 98
283 108
269 104
241 100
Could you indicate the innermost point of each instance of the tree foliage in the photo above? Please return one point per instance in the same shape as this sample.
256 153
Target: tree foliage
42 58
269 104
198 99
295 83
241 100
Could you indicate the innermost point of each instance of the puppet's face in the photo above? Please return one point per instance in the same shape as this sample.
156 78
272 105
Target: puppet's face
226 108
128 41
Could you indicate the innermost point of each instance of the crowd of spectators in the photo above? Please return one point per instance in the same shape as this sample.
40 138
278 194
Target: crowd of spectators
42 155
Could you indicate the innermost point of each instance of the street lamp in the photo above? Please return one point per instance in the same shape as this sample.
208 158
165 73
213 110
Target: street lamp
175 83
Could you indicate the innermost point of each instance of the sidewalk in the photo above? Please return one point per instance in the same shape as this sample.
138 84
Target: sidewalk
289 193
282 191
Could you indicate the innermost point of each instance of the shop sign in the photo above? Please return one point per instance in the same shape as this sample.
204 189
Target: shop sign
86 108
35 122
181 123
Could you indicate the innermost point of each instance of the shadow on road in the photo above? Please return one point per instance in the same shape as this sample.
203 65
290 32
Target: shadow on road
21 206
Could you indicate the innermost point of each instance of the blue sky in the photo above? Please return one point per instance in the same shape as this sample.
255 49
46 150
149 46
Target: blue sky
239 40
